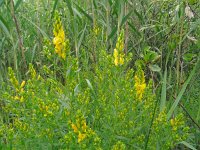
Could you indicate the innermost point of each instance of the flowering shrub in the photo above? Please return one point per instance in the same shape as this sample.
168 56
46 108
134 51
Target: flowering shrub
65 105
109 108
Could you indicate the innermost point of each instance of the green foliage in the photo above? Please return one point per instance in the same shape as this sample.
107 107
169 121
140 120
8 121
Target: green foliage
106 74
85 114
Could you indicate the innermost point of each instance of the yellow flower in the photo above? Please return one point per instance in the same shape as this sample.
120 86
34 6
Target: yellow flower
119 146
172 122
115 54
84 126
21 99
121 60
59 38
16 98
81 137
22 84
96 30
81 129
74 127
118 51
140 85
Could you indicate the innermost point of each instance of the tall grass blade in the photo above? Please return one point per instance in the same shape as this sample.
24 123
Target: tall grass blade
125 18
54 8
1 2
37 27
18 4
69 5
81 38
78 14
112 33
175 104
163 92
4 27
139 16
133 29
90 86
84 12
188 145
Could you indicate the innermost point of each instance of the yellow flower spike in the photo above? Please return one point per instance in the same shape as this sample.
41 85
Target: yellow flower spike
16 83
78 122
140 84
84 126
116 62
16 98
121 60
63 56
59 38
13 78
47 108
115 54
172 122
21 99
21 90
22 84
118 51
117 44
32 71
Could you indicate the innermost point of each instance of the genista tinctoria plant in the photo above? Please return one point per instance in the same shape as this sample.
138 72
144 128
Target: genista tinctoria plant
119 50
60 42
110 107
140 84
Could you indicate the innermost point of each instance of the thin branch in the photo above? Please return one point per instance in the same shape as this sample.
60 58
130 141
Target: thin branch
126 30
184 109
18 32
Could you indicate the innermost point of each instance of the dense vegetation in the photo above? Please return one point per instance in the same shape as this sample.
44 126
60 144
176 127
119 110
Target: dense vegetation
99 74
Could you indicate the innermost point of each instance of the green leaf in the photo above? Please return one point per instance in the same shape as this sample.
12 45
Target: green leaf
76 89
154 68
192 2
188 145
150 56
90 86
154 56
147 49
95 4
188 57
77 13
